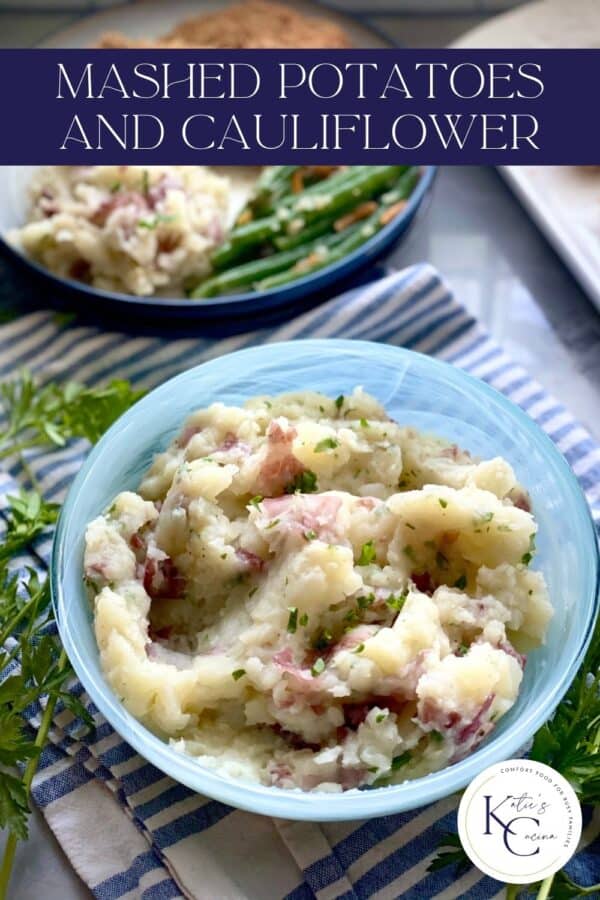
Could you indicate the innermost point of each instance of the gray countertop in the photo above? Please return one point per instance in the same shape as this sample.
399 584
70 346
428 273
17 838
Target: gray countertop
499 265
503 269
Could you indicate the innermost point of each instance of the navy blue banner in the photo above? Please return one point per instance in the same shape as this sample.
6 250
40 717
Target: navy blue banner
270 106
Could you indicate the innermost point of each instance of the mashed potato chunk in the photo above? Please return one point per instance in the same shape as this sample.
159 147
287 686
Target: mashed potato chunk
130 229
305 594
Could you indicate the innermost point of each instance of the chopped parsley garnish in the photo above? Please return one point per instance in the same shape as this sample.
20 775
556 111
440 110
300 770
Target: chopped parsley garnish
381 717
443 503
397 601
310 535
323 640
408 551
151 224
461 583
145 181
436 737
272 524
293 619
462 649
486 517
252 592
367 554
239 673
399 761
339 401
318 667
364 601
441 561
527 557
410 525
327 443
303 620
363 423
359 649
305 482
256 500
115 186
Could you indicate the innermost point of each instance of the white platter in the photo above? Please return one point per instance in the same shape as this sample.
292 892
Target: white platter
151 18
564 201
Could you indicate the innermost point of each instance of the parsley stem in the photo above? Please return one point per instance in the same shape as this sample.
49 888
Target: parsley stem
13 449
545 886
7 864
30 770
23 613
512 891
30 474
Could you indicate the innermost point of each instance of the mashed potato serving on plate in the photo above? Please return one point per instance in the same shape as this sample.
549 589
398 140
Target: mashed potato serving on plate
306 594
138 230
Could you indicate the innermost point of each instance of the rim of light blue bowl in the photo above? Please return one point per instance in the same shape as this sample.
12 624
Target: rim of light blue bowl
248 301
298 805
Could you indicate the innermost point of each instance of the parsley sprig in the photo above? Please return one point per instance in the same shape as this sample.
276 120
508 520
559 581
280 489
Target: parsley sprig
53 414
34 669
27 516
570 743
33 666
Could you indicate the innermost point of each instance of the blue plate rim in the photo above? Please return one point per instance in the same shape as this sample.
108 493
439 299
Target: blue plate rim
304 286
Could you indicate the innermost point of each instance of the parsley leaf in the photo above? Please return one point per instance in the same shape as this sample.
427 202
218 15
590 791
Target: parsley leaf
327 443
367 554
292 619
53 414
305 482
396 601
28 516
450 852
318 667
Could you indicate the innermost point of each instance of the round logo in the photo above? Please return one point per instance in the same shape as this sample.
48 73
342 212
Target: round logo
519 821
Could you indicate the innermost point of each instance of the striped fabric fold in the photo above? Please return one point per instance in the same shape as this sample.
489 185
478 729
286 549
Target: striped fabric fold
130 831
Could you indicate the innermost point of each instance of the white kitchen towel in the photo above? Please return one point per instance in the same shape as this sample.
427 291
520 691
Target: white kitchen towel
130 831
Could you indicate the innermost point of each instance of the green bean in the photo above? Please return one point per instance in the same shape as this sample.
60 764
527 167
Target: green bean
251 272
350 194
243 238
333 198
247 273
326 185
273 183
351 241
304 235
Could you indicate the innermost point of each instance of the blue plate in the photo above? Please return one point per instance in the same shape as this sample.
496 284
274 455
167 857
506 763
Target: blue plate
223 307
416 390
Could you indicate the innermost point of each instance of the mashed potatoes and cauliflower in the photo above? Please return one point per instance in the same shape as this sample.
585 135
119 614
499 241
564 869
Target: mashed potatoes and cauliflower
126 228
306 594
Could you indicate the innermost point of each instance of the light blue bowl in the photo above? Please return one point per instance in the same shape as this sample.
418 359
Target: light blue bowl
419 391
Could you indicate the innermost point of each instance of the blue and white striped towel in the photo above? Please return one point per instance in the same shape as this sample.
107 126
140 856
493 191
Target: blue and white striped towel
131 832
